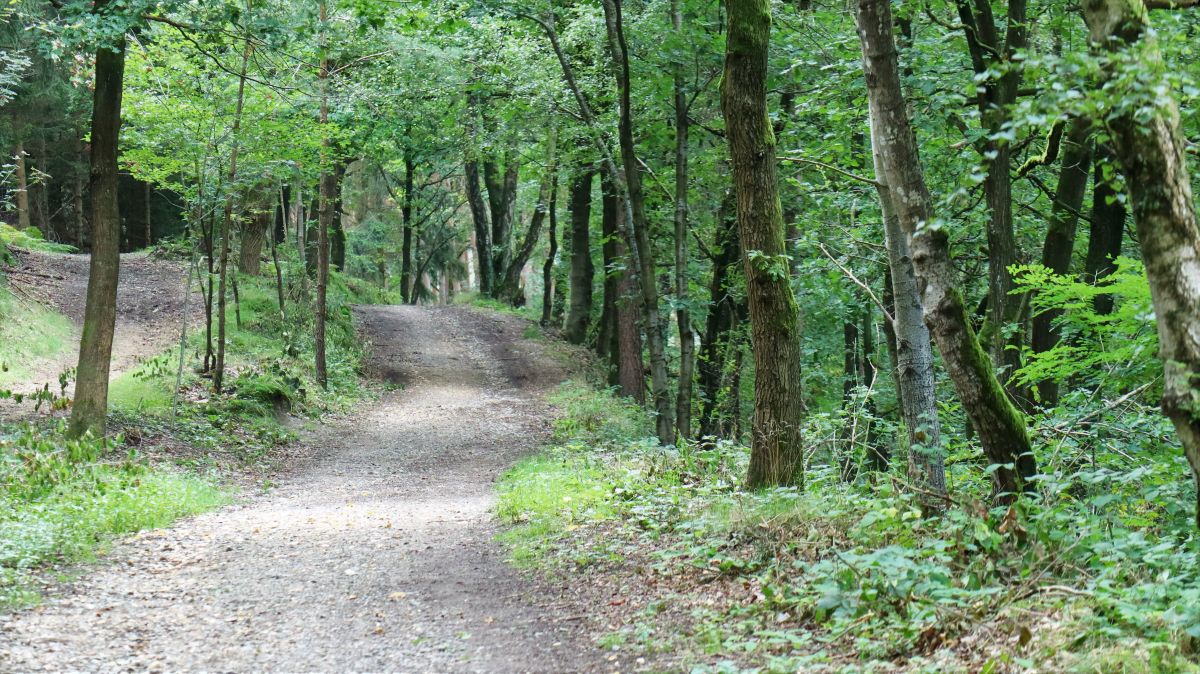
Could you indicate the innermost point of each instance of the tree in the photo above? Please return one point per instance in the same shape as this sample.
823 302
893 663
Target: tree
1000 426
1149 144
100 315
776 455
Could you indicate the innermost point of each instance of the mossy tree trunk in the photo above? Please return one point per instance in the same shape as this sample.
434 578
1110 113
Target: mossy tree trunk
1149 145
1000 426
777 448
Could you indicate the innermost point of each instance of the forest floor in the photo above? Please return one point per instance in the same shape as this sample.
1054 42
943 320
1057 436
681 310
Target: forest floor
375 552
151 307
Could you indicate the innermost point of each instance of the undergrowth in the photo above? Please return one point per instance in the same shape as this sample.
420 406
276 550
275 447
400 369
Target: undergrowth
63 500
1099 573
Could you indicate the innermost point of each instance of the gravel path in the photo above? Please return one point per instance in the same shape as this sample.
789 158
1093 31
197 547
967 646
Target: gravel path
376 555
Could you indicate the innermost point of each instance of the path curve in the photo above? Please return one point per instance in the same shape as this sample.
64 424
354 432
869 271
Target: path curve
377 555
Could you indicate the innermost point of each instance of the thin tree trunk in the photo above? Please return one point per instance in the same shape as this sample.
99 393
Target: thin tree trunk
149 192
278 213
77 195
638 234
777 447
1059 246
606 334
582 269
1149 145
22 171
406 217
100 315
1000 426
1107 230
336 232
327 189
551 255
687 339
724 311
227 221
483 228
913 352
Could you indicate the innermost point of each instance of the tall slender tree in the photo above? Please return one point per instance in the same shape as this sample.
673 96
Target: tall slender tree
100 315
777 449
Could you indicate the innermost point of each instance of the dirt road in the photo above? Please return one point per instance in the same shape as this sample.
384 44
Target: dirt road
375 555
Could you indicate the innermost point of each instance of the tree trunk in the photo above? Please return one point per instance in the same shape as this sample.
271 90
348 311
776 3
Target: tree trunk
777 449
327 188
687 339
337 233
100 315
1107 229
1149 145
509 289
254 232
606 334
913 353
548 265
22 172
582 269
149 192
1059 246
78 193
501 182
638 230
724 312
227 221
999 425
406 217
483 227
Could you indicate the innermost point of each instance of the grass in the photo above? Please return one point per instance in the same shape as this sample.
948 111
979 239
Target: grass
30 239
63 501
29 332
854 577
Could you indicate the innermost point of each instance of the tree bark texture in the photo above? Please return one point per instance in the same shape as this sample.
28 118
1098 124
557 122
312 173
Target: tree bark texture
1000 426
777 447
583 271
100 314
1152 153
1106 231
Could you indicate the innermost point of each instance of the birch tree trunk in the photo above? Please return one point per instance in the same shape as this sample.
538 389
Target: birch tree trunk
1000 426
913 350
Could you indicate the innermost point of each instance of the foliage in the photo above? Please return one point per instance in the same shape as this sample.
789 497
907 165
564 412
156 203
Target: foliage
62 500
1102 352
851 577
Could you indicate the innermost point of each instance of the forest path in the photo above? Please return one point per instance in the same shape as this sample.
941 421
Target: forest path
374 555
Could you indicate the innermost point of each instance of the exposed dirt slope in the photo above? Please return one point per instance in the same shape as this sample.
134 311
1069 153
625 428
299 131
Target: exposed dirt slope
150 305
374 555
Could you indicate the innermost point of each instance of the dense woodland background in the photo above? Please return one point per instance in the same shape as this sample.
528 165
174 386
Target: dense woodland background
946 289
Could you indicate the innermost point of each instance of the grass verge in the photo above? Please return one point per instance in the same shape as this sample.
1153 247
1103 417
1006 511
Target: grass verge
691 571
